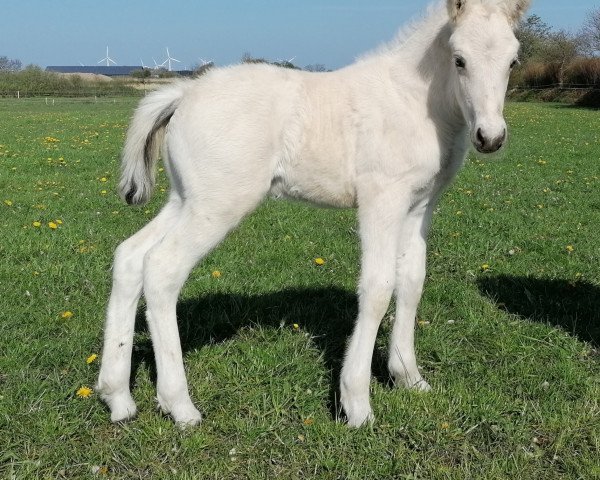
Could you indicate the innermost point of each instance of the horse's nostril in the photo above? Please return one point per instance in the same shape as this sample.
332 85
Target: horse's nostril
480 137
487 144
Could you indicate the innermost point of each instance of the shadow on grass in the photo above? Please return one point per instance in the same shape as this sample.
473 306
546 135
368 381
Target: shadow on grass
590 100
327 314
572 306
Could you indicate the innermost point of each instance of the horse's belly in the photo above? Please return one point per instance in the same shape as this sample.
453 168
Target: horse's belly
324 180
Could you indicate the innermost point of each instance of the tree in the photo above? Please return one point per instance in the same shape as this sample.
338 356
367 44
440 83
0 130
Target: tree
532 33
541 45
285 64
248 58
141 74
8 65
590 33
317 67
201 68
560 48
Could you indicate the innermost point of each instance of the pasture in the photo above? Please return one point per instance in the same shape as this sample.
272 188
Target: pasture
508 330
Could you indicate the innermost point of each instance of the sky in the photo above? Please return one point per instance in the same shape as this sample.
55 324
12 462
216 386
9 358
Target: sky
328 32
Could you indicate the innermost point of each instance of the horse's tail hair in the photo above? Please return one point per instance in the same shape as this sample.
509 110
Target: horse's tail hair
144 140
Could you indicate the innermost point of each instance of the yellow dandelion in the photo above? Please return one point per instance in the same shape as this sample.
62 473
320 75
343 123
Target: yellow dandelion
104 179
485 267
216 274
91 358
52 225
296 326
58 222
66 314
445 426
319 261
570 248
96 470
423 323
84 392
8 203
103 192
37 224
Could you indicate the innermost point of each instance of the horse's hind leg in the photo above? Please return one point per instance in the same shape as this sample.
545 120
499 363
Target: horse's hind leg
113 380
203 223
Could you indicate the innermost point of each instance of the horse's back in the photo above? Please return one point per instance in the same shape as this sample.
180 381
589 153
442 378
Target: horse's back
228 128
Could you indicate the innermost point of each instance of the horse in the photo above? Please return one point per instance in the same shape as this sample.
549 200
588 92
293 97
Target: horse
385 134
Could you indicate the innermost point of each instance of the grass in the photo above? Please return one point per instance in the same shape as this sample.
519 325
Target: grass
508 332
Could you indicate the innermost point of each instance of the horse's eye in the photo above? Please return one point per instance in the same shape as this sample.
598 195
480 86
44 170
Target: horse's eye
514 63
459 62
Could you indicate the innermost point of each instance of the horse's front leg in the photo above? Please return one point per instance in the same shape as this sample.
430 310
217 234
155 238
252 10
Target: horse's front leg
410 276
381 212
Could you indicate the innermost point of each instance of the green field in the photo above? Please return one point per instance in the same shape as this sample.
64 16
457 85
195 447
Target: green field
508 330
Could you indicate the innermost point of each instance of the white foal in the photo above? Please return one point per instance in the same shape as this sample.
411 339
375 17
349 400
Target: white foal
385 134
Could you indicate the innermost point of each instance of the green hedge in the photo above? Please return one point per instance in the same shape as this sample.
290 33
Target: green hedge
33 81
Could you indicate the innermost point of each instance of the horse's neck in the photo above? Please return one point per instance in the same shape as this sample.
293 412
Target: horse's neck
425 55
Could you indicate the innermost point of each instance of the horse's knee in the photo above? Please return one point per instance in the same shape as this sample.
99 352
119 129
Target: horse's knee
374 294
162 275
128 257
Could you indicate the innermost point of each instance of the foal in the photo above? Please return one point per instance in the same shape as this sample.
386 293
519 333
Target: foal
385 134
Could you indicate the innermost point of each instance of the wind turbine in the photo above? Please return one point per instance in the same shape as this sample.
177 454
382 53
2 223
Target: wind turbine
206 62
169 60
287 61
156 65
107 59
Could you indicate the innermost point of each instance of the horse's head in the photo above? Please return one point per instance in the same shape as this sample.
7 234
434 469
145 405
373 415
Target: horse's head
484 50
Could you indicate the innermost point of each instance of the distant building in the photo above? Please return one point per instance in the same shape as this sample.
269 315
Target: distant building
112 71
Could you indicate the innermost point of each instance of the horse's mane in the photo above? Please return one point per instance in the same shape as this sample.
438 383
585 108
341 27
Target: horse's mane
435 12
424 27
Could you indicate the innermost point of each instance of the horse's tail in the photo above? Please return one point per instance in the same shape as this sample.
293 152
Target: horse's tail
144 139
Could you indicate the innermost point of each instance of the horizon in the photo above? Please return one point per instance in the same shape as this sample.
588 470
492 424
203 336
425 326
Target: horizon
332 33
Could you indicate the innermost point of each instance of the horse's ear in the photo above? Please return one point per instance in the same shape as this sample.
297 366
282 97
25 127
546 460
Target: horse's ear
456 8
516 9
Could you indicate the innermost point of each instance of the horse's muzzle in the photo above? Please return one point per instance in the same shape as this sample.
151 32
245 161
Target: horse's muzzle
486 144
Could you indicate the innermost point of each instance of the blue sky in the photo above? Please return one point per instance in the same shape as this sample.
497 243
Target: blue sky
330 32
